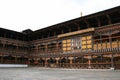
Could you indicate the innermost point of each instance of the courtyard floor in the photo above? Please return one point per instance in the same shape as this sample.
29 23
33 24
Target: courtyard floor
37 73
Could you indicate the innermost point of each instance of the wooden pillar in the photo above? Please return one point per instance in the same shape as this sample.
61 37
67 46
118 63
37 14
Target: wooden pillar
71 61
57 62
46 63
89 62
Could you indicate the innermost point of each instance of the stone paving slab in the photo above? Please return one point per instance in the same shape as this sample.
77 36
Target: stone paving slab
36 73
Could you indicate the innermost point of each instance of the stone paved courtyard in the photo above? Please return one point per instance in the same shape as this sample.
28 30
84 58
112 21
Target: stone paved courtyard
36 73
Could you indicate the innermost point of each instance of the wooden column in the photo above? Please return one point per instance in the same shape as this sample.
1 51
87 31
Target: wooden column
46 63
71 61
57 62
89 62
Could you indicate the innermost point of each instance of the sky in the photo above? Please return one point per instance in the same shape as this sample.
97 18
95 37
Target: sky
19 15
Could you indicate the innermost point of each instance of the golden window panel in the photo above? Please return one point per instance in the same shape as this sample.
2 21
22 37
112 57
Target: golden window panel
84 47
108 45
68 41
64 49
104 45
83 42
95 47
64 45
114 44
89 46
99 46
69 44
64 41
89 41
89 37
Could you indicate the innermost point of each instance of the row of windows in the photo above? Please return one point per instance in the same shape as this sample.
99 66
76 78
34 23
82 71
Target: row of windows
77 43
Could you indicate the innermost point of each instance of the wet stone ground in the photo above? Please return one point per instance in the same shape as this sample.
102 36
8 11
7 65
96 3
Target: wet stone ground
36 73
